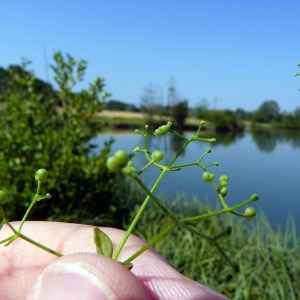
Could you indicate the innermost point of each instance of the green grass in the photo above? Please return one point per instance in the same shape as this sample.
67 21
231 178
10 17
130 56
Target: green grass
269 260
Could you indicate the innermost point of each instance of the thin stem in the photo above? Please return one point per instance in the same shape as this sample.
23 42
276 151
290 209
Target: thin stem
158 203
138 215
219 212
151 243
18 234
186 221
30 206
24 237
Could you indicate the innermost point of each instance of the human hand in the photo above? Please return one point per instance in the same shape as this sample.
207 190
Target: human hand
28 271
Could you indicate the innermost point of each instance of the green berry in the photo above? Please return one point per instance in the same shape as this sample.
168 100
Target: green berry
3 197
118 161
206 176
223 180
224 191
211 176
250 213
112 164
41 175
122 157
129 170
254 197
157 155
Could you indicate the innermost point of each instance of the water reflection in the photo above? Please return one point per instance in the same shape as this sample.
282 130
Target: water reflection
264 140
267 139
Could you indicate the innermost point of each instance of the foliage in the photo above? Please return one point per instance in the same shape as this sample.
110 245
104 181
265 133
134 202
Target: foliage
151 102
152 105
36 133
180 113
119 105
268 111
268 258
290 120
223 120
7 81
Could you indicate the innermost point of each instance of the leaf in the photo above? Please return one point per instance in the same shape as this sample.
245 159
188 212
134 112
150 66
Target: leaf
103 243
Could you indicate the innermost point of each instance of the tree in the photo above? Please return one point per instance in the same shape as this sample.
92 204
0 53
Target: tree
180 113
151 102
178 109
268 111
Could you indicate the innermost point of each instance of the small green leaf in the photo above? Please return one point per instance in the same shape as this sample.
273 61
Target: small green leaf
103 243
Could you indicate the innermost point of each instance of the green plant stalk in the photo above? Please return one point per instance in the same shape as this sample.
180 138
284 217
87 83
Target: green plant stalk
158 203
151 243
146 201
186 221
30 207
26 238
138 215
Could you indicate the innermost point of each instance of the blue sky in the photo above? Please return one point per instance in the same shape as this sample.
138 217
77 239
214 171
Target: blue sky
233 53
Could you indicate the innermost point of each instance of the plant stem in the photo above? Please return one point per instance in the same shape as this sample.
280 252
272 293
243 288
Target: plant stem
138 215
185 221
18 234
30 207
151 243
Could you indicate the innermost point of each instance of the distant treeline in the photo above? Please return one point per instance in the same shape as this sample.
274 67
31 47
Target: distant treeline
224 120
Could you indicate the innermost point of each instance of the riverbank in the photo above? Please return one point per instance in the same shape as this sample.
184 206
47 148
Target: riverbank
137 120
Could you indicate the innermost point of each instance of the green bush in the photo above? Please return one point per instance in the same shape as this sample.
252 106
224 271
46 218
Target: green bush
223 120
54 132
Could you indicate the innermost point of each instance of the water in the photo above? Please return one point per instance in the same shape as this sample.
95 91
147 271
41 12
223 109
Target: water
261 162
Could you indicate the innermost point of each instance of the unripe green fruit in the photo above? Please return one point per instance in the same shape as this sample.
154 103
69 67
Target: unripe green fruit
224 191
250 212
122 157
41 175
211 176
129 170
157 155
163 129
206 176
254 197
3 197
113 164
223 180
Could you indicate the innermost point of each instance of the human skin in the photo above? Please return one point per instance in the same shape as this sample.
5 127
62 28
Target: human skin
28 272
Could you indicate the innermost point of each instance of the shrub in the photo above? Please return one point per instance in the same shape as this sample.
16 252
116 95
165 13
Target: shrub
54 132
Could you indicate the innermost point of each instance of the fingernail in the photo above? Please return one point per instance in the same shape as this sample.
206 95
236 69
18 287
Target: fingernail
71 280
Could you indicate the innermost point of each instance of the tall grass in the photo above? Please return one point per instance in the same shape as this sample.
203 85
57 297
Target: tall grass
269 259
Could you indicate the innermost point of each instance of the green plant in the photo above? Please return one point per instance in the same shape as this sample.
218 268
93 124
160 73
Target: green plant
53 131
120 161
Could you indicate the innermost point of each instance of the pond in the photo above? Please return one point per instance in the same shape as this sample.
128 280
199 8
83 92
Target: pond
263 162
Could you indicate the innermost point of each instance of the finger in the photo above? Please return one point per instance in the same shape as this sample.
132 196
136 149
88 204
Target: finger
87 276
21 263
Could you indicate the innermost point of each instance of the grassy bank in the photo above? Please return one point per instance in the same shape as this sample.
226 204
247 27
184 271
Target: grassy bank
268 259
133 120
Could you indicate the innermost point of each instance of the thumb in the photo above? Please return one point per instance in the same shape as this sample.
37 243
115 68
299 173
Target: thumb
87 276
